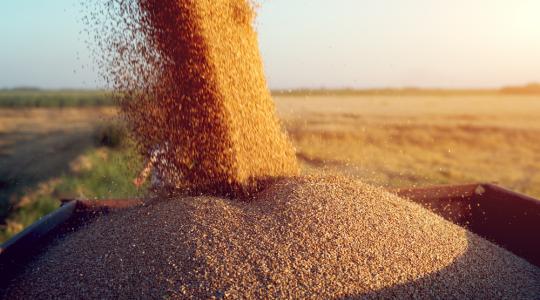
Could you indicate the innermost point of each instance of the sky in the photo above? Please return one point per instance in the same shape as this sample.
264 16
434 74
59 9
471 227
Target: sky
313 43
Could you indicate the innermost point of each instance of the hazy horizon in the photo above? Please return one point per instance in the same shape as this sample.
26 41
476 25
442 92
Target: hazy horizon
313 44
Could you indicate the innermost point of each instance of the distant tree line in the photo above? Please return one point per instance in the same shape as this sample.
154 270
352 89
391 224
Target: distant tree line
33 97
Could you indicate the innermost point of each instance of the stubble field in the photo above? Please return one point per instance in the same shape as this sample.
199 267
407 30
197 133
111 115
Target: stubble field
394 141
419 140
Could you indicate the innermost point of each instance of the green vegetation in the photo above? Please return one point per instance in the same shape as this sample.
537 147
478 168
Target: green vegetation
23 98
101 173
111 134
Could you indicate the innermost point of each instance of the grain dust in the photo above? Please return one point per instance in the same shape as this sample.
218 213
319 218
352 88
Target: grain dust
190 81
312 237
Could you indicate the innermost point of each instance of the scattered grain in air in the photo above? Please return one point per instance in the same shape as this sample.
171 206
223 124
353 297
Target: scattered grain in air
190 79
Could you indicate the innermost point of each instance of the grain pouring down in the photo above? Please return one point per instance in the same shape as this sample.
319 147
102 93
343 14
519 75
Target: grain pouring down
197 92
191 84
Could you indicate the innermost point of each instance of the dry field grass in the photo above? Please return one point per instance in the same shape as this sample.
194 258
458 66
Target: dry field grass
418 140
38 144
388 140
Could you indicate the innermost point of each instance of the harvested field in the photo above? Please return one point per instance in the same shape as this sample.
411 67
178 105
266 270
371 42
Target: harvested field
419 140
37 145
310 237
378 139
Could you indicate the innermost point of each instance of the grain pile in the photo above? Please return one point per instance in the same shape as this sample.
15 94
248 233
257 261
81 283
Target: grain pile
190 81
304 238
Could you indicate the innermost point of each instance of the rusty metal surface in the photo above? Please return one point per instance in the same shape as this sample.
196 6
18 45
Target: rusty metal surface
508 219
90 208
433 193
455 203
103 204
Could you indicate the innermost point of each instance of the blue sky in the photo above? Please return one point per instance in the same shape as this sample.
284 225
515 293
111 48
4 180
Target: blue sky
314 43
40 44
